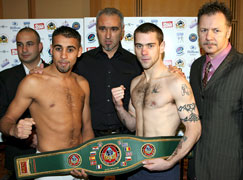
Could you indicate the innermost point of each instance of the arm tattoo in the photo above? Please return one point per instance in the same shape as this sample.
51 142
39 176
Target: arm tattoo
185 90
191 109
183 139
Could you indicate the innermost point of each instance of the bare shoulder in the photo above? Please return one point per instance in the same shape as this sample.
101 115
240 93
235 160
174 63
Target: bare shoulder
83 83
178 84
79 78
136 80
33 80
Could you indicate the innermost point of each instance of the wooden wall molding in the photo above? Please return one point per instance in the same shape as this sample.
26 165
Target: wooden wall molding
1 9
31 9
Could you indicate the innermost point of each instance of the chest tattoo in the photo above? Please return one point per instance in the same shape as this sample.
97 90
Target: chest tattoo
144 92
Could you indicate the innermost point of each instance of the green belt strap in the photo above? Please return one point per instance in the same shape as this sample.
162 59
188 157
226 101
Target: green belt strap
109 155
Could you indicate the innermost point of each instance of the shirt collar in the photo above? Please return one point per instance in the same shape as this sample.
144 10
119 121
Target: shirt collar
27 71
216 61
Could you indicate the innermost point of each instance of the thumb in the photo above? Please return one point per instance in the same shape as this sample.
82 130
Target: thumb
122 87
41 65
32 121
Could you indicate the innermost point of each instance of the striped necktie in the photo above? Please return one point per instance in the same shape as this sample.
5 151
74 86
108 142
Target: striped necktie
207 69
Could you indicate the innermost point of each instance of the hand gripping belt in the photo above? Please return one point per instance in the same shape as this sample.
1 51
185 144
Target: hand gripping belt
109 155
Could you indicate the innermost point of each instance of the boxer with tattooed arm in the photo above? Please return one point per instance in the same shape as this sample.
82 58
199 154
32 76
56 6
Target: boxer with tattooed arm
160 100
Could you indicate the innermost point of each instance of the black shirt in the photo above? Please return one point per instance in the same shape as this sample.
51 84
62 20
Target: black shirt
103 74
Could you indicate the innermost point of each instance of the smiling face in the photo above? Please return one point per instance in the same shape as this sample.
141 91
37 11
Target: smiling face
65 52
214 33
109 33
28 47
148 49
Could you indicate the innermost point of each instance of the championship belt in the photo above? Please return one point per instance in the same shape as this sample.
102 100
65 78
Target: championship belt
109 155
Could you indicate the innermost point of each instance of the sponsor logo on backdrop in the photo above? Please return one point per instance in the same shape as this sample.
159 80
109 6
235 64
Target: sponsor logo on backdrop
91 37
167 62
49 52
15 26
3 39
4 63
51 26
39 26
3 26
129 24
91 23
15 62
129 37
14 39
50 37
180 50
180 24
193 50
179 63
141 21
180 37
154 21
193 37
4 51
89 48
26 24
14 52
193 23
76 25
167 24
65 23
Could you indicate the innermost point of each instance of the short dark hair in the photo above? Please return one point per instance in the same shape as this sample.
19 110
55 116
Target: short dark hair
28 29
110 12
67 32
149 27
212 8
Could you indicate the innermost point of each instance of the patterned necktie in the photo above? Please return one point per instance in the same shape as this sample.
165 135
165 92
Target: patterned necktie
207 69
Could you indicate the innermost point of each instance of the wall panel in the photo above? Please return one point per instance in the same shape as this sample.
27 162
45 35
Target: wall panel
15 9
127 7
62 8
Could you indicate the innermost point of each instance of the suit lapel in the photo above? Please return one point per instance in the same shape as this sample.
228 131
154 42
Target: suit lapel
200 71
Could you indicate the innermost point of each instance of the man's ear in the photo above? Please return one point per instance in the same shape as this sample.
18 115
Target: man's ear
51 49
80 51
40 47
229 32
162 47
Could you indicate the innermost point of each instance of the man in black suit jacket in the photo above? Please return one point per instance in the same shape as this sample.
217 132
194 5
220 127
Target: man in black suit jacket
217 82
29 48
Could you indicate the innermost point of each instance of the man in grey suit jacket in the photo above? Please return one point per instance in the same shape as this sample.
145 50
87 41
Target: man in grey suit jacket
218 90
28 48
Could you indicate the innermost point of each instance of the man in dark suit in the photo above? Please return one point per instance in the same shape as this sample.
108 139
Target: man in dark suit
28 48
217 82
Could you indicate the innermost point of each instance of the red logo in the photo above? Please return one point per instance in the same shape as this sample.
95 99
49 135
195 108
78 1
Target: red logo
23 167
14 52
167 24
148 150
110 154
89 48
39 26
74 159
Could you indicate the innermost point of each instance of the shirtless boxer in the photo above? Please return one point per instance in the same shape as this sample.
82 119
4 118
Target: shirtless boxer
160 100
58 100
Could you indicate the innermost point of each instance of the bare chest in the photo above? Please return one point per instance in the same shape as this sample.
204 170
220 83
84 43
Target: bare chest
151 95
68 97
